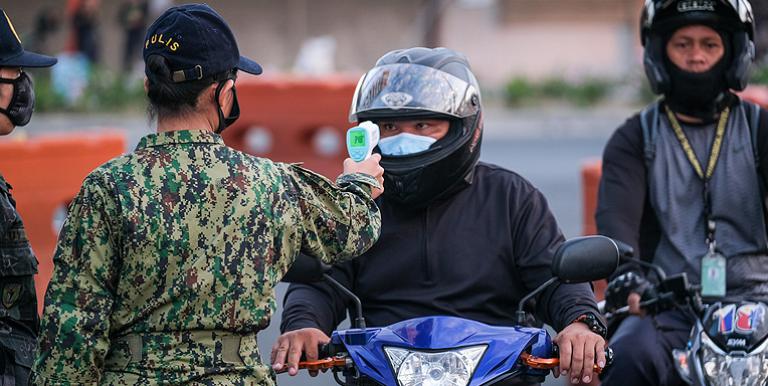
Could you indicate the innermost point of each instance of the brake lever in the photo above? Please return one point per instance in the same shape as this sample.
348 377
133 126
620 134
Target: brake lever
320 364
535 362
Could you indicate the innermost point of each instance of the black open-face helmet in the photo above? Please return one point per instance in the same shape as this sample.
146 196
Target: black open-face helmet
662 17
424 83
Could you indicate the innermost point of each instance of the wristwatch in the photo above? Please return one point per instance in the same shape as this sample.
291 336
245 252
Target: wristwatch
593 322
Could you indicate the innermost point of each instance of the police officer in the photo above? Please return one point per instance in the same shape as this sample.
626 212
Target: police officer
18 305
684 181
166 265
459 237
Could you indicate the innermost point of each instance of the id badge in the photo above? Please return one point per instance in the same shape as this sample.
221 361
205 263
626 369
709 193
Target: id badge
713 275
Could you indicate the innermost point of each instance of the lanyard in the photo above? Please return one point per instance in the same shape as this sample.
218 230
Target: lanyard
714 155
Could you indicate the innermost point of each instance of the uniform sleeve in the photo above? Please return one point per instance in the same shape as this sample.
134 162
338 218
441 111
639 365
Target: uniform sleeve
340 220
536 238
622 192
74 336
317 305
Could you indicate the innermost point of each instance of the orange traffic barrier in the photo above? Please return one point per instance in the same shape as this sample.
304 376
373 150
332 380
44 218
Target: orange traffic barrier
46 174
590 180
291 119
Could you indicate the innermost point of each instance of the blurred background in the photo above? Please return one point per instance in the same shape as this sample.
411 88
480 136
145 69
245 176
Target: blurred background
583 52
557 76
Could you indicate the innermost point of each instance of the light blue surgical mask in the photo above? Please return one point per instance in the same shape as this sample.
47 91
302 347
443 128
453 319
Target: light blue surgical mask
404 144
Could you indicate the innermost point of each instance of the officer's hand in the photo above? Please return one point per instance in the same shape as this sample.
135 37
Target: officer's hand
288 348
370 167
580 349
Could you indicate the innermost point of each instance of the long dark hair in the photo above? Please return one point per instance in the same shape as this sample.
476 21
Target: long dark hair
171 99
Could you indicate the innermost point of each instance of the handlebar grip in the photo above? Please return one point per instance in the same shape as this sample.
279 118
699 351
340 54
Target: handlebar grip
550 363
324 350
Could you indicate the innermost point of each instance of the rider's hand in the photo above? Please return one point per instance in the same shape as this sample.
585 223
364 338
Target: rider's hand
580 349
288 348
370 167
633 300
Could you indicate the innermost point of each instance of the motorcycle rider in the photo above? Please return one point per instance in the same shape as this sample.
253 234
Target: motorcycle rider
18 265
459 237
684 181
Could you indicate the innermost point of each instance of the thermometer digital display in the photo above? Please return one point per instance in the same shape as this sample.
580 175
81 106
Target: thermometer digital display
361 140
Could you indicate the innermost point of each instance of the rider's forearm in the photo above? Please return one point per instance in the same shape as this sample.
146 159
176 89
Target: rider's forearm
563 303
317 305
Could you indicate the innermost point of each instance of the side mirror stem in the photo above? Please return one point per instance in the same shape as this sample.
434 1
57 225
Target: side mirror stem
520 314
359 321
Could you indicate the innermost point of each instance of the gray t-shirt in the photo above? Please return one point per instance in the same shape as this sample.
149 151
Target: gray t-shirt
677 196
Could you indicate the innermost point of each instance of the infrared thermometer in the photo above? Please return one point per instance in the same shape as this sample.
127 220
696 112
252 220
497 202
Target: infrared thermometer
361 140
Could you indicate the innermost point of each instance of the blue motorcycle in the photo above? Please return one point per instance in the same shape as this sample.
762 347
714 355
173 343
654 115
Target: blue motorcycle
445 350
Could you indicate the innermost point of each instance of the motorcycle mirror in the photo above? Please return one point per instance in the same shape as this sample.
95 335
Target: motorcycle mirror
306 269
584 259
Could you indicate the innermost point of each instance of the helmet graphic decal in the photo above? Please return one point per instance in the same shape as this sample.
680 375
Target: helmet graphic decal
396 100
696 5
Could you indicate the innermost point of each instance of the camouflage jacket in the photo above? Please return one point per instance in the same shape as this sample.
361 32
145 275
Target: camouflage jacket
166 265
18 300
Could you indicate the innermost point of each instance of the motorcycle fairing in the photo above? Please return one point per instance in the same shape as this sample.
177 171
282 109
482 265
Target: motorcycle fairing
737 326
442 333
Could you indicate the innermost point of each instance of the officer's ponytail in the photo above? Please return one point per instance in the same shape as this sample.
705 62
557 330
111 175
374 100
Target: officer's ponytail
168 98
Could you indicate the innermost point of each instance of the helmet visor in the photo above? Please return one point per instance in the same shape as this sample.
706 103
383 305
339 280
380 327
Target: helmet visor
404 89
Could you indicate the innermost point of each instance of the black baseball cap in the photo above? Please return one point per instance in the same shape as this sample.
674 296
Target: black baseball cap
196 42
12 54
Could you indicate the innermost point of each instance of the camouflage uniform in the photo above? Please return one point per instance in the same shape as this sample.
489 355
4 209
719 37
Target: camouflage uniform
18 306
166 266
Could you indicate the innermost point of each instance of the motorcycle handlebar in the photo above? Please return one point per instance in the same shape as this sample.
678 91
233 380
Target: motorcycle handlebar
329 362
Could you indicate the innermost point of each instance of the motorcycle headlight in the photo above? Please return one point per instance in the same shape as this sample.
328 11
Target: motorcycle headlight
733 369
419 368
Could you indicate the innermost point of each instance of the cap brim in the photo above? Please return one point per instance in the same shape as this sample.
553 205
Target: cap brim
29 59
248 66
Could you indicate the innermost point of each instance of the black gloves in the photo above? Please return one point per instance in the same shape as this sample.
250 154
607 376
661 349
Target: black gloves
619 289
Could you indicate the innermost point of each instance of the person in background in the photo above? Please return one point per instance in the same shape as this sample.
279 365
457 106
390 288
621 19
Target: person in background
85 24
132 17
683 182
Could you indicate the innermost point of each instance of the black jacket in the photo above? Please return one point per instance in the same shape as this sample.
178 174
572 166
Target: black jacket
623 212
473 255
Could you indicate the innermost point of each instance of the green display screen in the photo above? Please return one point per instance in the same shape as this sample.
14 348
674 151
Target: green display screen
357 139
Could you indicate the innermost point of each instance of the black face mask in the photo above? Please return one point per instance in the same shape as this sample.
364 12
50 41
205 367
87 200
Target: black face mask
19 111
234 114
699 95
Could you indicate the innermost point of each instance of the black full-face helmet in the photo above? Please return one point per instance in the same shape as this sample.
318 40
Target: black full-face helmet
424 83
662 17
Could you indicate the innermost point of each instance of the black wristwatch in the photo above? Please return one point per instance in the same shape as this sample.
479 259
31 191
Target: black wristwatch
593 322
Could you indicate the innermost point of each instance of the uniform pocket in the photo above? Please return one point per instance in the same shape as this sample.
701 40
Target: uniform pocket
19 351
17 261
